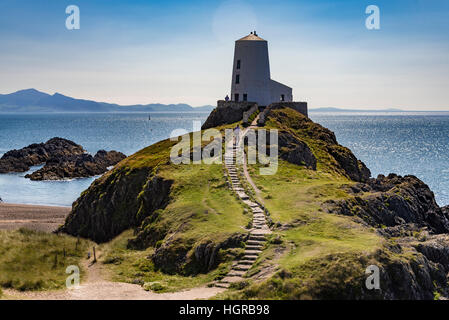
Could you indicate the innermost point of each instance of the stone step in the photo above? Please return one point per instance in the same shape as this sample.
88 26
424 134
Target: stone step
250 257
253 247
222 285
246 262
241 267
235 273
253 252
242 195
257 237
230 279
257 233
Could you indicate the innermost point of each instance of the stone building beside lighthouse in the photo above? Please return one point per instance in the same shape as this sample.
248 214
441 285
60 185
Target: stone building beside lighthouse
251 78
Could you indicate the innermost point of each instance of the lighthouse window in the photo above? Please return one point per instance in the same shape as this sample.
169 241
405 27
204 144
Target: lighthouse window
237 78
238 64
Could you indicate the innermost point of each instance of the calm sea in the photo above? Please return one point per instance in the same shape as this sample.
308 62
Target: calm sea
404 143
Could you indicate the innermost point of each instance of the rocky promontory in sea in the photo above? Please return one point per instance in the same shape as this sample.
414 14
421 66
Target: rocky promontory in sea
329 218
38 153
77 166
63 159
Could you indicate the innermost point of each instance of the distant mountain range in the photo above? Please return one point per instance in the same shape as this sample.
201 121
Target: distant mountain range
32 100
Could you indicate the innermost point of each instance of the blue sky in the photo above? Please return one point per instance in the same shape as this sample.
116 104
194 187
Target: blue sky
139 51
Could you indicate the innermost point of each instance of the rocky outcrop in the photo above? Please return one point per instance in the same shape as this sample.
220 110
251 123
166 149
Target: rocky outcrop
228 112
119 200
418 278
175 257
354 168
77 166
290 148
402 209
394 203
304 129
35 154
295 151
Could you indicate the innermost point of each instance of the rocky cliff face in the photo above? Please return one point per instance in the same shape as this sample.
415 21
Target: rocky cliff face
118 201
229 112
35 154
77 166
394 203
404 211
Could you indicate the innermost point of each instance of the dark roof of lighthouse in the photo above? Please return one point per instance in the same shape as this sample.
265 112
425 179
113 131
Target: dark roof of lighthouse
251 37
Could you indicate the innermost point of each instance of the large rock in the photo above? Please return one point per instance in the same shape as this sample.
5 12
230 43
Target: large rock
117 201
394 201
77 166
35 154
304 129
228 112
173 256
291 148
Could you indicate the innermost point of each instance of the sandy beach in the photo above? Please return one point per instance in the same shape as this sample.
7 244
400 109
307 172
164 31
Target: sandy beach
42 218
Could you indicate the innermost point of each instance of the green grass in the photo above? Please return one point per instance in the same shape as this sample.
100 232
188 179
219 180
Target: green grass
134 266
27 259
324 254
307 190
201 209
202 199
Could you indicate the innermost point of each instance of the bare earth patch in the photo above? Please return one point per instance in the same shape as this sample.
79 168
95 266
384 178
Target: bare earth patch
39 218
97 287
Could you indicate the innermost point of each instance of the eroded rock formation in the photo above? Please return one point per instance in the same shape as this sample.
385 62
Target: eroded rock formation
21 160
77 166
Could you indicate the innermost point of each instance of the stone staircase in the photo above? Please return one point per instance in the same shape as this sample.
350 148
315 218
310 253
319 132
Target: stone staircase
256 239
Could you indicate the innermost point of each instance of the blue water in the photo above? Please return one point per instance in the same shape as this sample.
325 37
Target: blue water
404 143
414 143
126 133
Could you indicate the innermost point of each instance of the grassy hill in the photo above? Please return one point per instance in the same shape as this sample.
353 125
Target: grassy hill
170 227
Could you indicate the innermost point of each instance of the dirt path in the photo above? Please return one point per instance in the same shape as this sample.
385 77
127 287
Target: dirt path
97 287
245 166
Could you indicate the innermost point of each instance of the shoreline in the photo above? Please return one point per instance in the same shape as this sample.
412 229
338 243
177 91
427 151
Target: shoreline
45 218
34 205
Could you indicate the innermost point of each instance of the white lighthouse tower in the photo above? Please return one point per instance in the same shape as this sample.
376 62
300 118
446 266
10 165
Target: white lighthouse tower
251 80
